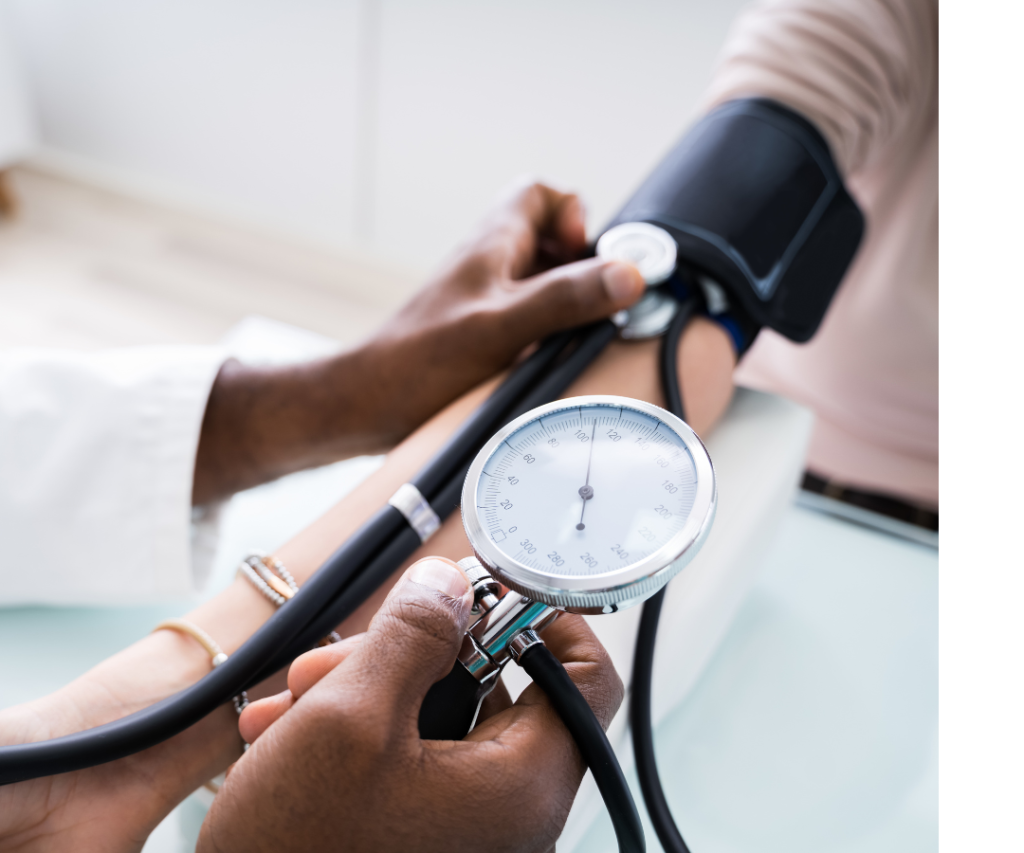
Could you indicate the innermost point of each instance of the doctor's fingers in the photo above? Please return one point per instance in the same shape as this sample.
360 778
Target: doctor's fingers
572 295
307 669
574 643
528 217
571 640
411 642
525 780
258 716
525 754
531 725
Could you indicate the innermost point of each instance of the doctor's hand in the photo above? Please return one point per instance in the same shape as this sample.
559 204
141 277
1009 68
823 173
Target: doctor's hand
337 760
502 290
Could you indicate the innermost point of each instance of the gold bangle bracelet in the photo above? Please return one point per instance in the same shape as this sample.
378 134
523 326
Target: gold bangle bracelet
217 657
216 653
213 649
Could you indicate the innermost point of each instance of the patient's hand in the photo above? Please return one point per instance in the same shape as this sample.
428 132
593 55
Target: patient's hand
112 808
338 759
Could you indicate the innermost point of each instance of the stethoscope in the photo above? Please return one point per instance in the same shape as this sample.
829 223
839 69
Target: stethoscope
585 505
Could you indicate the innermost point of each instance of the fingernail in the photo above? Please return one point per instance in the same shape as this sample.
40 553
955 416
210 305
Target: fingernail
621 282
442 576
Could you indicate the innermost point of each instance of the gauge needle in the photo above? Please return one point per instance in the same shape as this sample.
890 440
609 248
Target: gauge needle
587 490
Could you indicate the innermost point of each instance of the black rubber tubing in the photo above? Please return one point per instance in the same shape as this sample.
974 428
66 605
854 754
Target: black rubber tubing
170 716
669 359
549 674
592 344
643 657
167 718
643 736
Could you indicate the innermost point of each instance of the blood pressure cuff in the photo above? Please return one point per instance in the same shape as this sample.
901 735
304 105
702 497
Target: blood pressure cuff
754 200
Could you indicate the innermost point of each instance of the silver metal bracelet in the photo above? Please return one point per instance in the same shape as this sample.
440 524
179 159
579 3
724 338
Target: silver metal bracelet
272 580
417 511
277 588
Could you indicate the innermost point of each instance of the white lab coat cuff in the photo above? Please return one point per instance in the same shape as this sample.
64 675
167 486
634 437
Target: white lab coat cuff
97 454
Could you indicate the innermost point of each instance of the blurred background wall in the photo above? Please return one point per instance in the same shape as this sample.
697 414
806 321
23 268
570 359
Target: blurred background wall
379 127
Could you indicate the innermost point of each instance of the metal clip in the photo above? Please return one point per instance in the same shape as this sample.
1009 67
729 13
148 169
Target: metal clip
486 591
420 514
523 641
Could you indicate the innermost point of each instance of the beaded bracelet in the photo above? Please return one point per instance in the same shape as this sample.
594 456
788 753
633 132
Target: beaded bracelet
278 588
259 569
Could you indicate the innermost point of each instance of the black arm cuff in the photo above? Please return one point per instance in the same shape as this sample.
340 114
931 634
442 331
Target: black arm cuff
754 200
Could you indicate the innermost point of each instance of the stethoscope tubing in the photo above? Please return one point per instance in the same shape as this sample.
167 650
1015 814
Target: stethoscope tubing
640 722
385 540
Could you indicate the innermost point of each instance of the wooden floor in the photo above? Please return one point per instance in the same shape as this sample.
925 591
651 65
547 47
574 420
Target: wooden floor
85 268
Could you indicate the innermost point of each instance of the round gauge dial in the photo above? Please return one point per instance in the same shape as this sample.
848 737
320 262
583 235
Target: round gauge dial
591 502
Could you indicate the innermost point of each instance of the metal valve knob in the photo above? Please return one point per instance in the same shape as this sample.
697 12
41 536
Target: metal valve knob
486 590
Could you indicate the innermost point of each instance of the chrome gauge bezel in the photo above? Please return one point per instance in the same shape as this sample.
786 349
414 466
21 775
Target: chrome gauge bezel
610 591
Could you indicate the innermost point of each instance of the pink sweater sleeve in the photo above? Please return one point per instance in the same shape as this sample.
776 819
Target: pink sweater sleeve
863 71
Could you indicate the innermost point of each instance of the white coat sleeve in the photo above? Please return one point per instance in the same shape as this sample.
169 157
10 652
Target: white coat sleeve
97 453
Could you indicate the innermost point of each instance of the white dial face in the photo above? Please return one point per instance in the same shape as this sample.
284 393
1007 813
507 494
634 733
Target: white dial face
586 491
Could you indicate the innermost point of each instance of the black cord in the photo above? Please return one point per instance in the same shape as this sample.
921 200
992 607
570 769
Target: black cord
669 358
373 575
643 658
643 735
548 673
165 719
379 546
591 345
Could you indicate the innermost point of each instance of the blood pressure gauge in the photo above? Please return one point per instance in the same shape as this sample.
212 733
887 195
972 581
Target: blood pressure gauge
586 505
589 504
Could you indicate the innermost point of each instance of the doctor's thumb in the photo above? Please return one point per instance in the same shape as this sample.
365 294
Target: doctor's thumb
414 638
577 293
